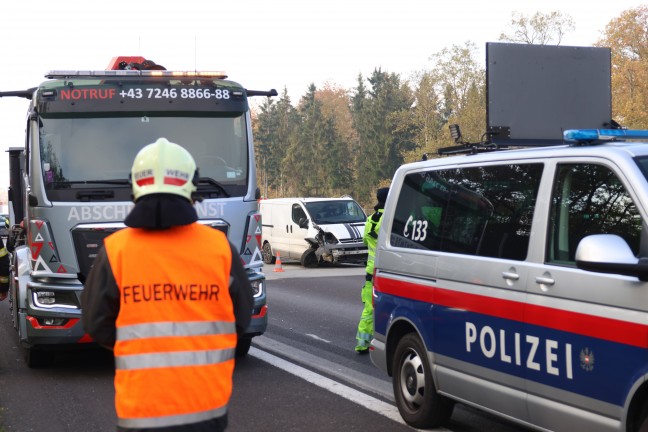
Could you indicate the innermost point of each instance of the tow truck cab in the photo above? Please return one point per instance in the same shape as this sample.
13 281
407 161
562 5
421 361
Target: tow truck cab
70 188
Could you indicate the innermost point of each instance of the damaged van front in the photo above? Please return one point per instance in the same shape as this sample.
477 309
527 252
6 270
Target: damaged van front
313 230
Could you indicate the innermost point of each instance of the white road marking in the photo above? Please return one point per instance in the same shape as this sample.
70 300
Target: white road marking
371 403
317 338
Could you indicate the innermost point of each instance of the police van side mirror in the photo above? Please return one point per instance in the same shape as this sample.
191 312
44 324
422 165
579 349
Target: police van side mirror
609 253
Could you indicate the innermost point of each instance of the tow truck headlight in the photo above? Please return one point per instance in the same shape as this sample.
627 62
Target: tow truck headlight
52 299
45 298
257 287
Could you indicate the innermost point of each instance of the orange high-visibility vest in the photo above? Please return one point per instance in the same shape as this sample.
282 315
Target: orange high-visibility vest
176 334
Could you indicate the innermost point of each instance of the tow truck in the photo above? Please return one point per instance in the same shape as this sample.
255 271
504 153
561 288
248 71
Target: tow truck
69 183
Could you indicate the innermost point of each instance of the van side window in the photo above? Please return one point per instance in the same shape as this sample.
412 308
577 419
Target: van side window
298 213
483 211
589 199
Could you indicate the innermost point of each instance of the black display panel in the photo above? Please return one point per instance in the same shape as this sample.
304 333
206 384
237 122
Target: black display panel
535 92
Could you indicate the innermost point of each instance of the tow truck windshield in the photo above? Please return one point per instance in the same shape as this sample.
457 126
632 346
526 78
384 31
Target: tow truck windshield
97 152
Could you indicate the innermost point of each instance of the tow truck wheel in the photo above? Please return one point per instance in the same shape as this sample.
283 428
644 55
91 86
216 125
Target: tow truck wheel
243 346
418 402
36 358
268 258
309 259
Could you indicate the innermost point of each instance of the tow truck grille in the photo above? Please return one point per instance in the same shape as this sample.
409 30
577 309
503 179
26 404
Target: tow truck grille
89 239
87 242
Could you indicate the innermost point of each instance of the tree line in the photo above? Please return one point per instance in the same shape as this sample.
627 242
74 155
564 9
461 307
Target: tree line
336 141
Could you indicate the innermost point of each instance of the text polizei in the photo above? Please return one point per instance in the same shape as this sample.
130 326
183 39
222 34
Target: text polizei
532 352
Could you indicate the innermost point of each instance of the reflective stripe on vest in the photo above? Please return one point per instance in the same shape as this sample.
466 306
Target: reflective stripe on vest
3 252
176 334
147 330
190 358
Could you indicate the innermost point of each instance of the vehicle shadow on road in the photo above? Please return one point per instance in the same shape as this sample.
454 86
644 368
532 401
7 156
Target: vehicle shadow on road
89 359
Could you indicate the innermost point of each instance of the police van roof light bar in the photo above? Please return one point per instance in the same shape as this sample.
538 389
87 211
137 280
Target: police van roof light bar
588 135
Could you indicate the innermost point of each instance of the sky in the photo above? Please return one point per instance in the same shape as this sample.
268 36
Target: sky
261 44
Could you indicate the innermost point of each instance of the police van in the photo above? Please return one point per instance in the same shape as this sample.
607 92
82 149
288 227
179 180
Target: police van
515 280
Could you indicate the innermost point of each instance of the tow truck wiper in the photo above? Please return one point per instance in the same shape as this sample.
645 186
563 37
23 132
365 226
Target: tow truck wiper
95 195
107 181
210 181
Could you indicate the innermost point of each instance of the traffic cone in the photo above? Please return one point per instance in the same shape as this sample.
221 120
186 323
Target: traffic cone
277 267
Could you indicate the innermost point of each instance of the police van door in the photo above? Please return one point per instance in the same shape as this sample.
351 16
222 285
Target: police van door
586 338
477 222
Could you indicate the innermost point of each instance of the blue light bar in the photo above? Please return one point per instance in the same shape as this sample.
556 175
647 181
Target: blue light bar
579 135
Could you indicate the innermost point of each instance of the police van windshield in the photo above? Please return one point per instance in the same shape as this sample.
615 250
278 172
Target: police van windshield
342 211
78 152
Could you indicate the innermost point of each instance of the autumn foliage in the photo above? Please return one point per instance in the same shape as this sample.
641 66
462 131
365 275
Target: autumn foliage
336 141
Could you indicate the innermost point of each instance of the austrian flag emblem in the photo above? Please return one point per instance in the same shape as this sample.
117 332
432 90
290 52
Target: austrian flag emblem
175 177
144 177
587 359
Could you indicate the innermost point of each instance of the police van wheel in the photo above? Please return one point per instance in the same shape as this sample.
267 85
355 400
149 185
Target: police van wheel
418 402
644 426
267 254
309 259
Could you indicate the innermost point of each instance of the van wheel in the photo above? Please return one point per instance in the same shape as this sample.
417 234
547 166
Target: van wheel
309 259
267 254
418 402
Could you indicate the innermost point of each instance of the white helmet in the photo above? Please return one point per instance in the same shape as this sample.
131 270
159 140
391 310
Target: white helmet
164 167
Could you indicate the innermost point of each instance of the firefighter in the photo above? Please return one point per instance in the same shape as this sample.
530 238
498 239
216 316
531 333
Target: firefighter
370 238
169 296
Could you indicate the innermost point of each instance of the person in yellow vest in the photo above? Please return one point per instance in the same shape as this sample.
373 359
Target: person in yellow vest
370 238
169 296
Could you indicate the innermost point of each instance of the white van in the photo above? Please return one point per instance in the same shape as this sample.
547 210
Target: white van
313 230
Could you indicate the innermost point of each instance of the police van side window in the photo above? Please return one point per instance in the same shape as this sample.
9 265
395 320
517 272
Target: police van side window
483 211
589 199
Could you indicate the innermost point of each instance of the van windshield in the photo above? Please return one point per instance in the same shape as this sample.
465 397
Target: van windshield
335 211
